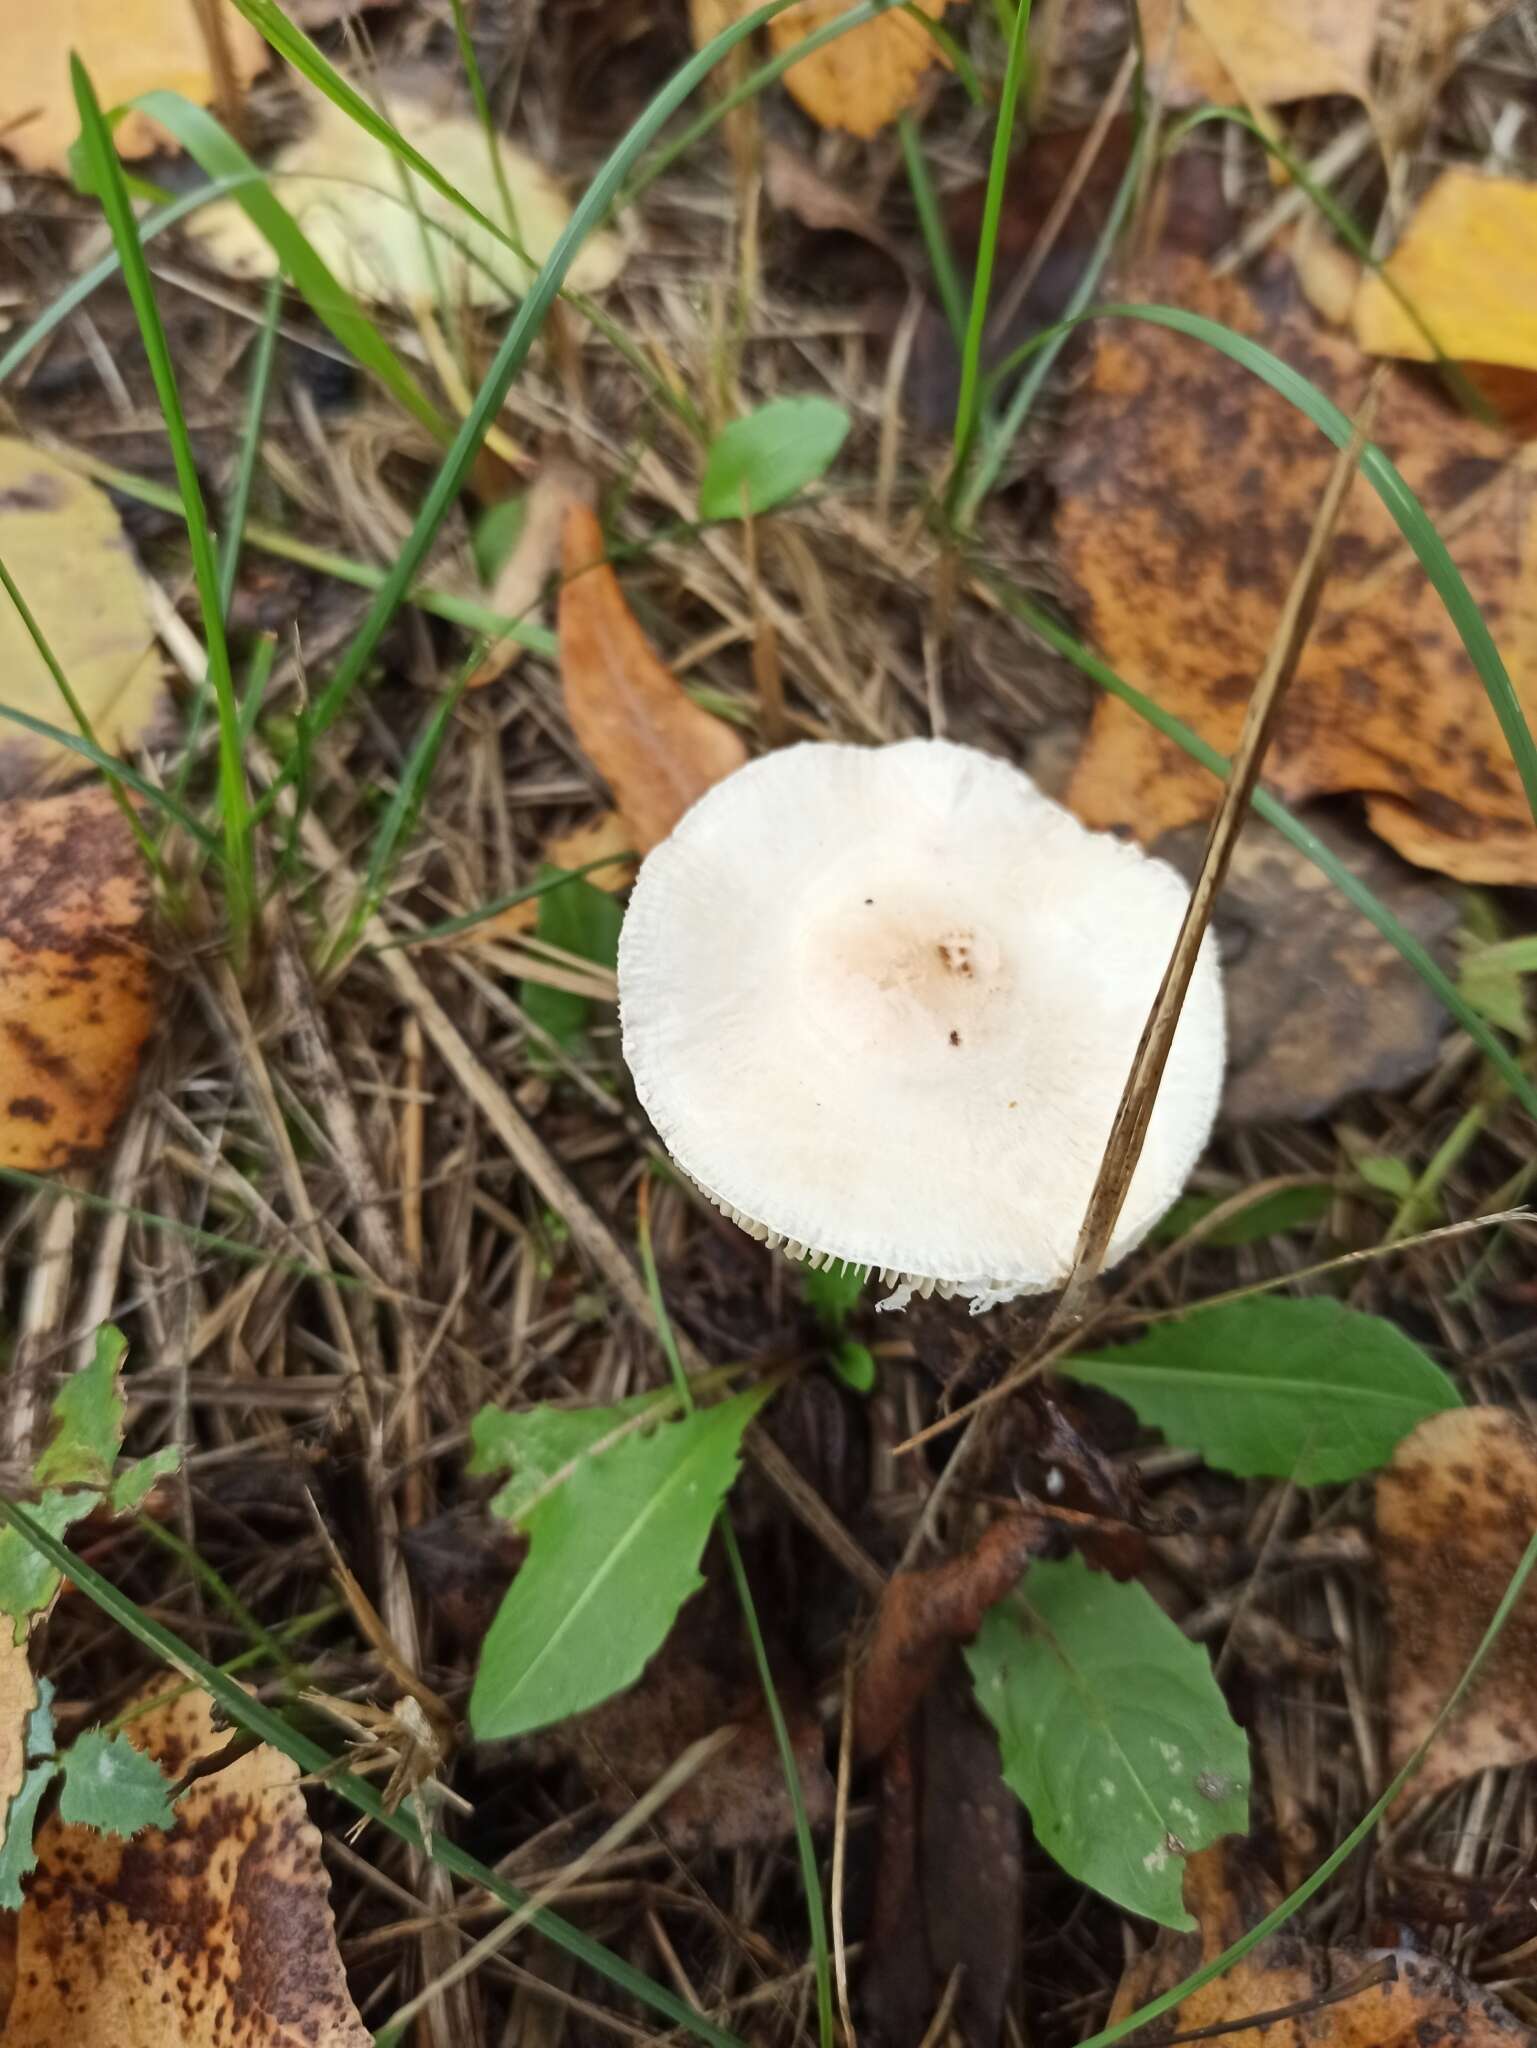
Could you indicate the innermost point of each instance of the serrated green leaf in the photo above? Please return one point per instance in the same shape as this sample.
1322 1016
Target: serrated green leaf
614 1552
17 1855
1271 1216
536 1443
759 461
135 1481
27 1581
1113 1733
582 920
1303 1390
89 1412
113 1787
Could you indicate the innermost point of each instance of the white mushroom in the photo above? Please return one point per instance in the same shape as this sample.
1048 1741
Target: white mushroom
880 1004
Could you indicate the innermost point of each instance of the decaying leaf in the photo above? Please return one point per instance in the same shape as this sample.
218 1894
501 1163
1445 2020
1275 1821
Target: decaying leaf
1356 1014
526 574
401 247
129 47
1257 52
18 1696
1186 497
1424 2005
64 547
861 80
215 1934
75 987
1465 265
924 1614
656 749
1455 1510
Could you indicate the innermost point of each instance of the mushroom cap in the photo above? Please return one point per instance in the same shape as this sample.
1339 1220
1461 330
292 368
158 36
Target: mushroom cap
881 1003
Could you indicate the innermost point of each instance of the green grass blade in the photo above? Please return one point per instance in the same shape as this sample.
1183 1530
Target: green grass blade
112 768
1310 1886
217 155
516 344
107 178
250 447
1409 515
931 224
968 402
243 1711
1292 828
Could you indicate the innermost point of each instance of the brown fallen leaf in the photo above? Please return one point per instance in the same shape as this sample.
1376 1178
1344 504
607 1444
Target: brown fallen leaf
526 574
1465 264
129 47
1257 52
1357 1016
65 550
924 1614
217 1934
1455 1510
18 1696
1424 2005
75 988
656 749
862 80
1186 489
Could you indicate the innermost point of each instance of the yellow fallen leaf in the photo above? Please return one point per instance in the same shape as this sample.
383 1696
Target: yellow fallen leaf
399 248
1258 52
657 750
216 1934
862 80
75 993
129 47
64 547
1467 263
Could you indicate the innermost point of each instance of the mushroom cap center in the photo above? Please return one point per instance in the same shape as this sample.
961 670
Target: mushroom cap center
903 983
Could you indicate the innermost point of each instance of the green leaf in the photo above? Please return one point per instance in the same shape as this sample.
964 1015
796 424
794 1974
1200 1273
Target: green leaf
855 1366
1491 980
89 1412
1271 1216
17 1855
759 461
1303 1390
582 920
1113 1733
113 1787
27 1581
495 534
1389 1176
135 1481
833 1292
536 1443
614 1552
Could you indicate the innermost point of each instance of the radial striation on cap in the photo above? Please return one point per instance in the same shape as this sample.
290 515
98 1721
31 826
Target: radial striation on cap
881 1003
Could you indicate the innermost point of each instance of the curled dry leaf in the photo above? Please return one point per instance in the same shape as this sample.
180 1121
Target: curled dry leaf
1465 265
1256 52
862 80
345 190
923 1615
129 47
1423 2005
1184 506
654 747
526 573
75 986
215 1934
64 547
1357 1015
1455 1510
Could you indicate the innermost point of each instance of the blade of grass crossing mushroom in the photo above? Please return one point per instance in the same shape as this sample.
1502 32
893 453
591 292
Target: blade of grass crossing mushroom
811 1880
270 1727
520 336
234 803
1129 1129
1409 515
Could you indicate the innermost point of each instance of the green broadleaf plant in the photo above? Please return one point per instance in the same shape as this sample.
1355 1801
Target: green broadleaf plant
1303 1390
113 1787
89 1411
759 461
581 920
18 1819
614 1552
1113 1733
1272 1215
